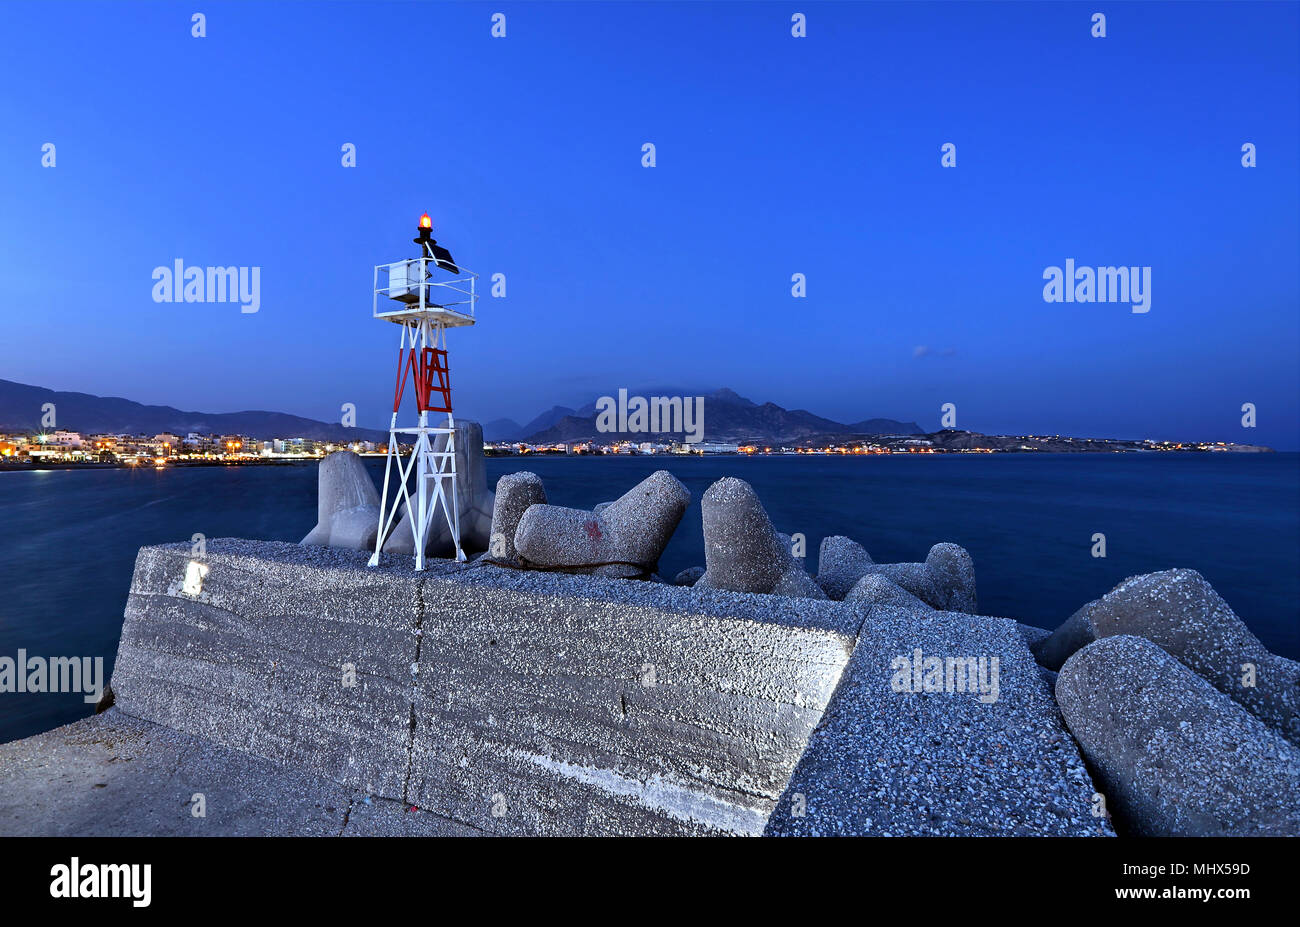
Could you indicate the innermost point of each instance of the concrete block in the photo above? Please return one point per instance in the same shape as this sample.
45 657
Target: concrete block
1174 756
901 753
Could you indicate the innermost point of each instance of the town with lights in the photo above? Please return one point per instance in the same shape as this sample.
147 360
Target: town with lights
73 449
949 441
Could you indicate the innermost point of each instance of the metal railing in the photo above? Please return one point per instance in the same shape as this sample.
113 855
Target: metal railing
420 285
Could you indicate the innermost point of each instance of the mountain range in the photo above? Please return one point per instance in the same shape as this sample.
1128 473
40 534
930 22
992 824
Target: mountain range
21 409
728 417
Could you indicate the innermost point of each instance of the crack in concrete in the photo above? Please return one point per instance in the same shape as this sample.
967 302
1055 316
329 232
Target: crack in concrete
381 801
346 815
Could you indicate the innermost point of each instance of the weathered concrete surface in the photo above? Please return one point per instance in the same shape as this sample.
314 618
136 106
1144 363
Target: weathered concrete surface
1175 756
509 702
369 816
347 504
1033 636
887 762
625 539
945 581
515 493
876 589
581 716
841 562
503 701
257 660
113 775
954 572
1179 611
743 552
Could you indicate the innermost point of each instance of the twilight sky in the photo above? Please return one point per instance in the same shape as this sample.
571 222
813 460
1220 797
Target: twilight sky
775 156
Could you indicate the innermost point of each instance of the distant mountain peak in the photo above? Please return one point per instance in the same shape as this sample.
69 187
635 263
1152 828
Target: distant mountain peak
729 395
502 429
728 418
21 405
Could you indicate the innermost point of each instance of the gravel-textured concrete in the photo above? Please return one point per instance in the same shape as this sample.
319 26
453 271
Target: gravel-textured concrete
887 762
1181 612
512 702
841 562
625 539
347 504
916 578
954 573
525 702
946 580
112 775
1174 756
1033 636
515 493
876 589
368 816
743 552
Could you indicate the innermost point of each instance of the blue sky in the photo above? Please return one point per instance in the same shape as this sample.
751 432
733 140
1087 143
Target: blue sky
775 156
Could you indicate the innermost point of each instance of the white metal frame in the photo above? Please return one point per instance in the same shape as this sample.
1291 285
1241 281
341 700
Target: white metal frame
442 295
424 324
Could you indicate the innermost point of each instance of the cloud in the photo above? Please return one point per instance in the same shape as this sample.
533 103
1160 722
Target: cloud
921 350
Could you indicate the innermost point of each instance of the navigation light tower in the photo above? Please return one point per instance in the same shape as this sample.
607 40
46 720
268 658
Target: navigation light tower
425 296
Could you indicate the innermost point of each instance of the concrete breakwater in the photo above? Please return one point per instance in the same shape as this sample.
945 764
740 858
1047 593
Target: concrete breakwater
539 690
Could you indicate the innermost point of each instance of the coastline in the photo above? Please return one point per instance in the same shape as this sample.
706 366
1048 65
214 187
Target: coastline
181 463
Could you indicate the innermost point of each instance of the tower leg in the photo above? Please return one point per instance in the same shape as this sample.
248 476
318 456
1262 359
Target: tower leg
385 514
455 497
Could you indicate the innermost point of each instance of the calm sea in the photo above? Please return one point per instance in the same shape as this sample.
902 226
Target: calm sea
68 539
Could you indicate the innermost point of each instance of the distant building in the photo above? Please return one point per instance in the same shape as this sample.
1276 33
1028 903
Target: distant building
713 448
236 445
201 443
